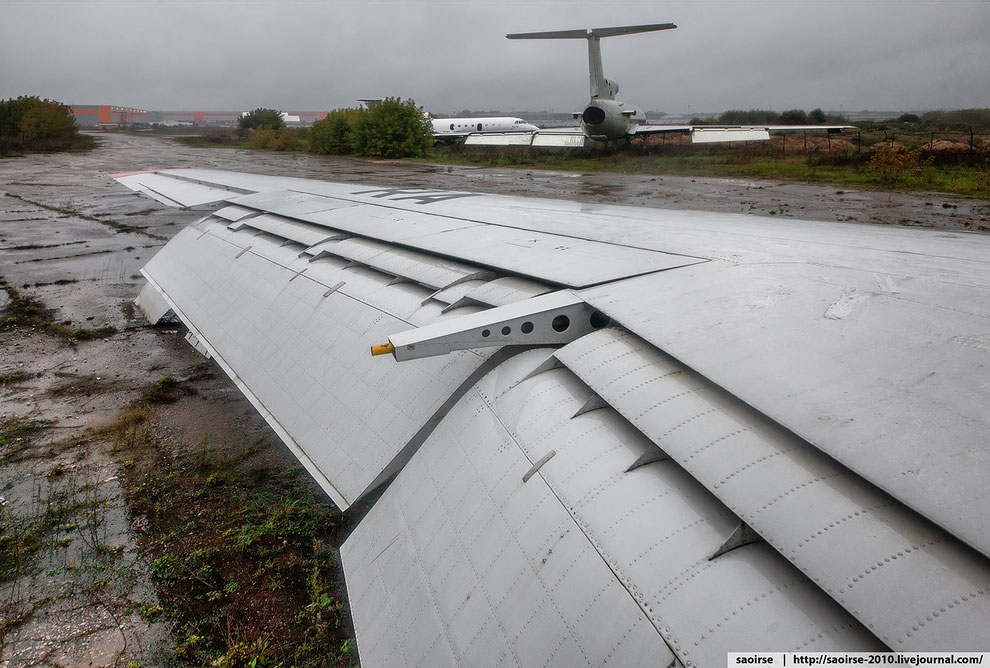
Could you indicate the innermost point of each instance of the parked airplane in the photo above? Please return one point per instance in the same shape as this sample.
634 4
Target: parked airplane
607 119
448 129
455 128
608 435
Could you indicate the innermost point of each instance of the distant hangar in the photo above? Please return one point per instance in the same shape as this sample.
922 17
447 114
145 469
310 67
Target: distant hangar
109 115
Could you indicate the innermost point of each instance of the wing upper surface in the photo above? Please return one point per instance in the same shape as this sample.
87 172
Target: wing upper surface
488 552
819 384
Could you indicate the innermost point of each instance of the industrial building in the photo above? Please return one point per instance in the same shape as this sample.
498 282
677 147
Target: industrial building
106 115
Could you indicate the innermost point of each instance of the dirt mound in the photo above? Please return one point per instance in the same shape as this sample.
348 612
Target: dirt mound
948 146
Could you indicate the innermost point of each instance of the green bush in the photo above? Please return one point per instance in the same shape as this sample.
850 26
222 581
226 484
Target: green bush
332 135
261 118
263 138
794 117
33 124
963 119
891 162
392 129
753 116
289 139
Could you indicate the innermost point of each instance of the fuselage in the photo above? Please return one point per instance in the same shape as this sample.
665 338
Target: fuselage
460 127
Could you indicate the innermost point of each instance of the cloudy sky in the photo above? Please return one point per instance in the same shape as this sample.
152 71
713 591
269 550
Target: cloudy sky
452 55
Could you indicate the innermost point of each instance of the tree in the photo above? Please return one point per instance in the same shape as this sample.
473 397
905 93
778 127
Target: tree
793 117
392 129
333 133
31 123
816 116
48 125
753 116
261 117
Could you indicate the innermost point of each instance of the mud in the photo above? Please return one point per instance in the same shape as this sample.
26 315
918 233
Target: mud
75 240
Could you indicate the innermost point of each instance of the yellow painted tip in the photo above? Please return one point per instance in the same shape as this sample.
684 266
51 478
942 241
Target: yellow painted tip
383 349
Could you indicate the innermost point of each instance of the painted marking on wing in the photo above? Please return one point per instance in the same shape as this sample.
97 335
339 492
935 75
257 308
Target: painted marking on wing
420 196
844 305
886 284
981 341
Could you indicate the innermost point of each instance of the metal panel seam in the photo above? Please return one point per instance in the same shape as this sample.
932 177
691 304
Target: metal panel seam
416 441
336 288
584 531
502 225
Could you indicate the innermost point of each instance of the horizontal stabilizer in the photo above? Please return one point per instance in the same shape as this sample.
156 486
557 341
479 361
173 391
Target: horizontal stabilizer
499 139
546 139
559 140
592 32
707 136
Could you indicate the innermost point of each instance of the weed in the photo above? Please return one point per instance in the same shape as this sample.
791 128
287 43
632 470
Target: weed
129 429
27 312
241 556
12 378
167 390
23 536
17 435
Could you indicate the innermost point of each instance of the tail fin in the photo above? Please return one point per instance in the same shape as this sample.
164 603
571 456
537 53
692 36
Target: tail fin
601 88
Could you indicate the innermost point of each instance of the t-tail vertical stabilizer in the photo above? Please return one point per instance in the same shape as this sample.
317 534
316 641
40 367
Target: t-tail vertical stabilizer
606 119
601 88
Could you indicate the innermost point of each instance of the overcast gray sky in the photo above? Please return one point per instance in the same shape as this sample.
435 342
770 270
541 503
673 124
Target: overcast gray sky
453 55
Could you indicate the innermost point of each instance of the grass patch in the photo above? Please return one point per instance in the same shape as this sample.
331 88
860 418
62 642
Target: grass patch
17 435
968 177
166 390
80 386
202 142
26 312
13 378
242 553
60 509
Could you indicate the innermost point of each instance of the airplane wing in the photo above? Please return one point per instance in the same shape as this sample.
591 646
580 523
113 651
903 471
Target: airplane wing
609 435
545 137
700 134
